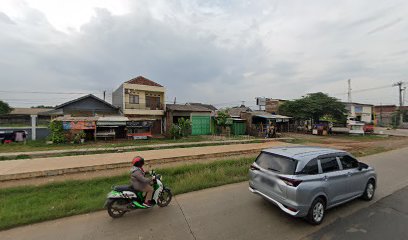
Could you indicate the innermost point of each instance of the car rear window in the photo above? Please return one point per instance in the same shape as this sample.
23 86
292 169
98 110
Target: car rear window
276 163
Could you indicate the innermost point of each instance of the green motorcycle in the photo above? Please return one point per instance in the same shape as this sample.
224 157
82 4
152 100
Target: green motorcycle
123 199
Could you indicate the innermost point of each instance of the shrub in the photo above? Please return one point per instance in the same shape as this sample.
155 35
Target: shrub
57 132
184 126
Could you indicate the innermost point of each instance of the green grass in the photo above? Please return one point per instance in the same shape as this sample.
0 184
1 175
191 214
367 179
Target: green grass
362 138
141 148
39 145
369 151
25 205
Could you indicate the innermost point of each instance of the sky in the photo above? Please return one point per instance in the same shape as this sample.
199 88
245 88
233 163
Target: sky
220 52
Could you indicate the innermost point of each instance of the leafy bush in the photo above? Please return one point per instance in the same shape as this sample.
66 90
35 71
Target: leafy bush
181 129
78 136
57 132
184 126
174 131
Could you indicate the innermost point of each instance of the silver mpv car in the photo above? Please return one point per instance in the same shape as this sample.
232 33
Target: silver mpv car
305 181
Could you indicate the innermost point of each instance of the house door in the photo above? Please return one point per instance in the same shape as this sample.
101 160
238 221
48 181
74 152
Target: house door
201 125
156 128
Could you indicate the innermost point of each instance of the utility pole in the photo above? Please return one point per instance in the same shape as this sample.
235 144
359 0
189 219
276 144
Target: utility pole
400 90
349 91
104 95
175 100
401 103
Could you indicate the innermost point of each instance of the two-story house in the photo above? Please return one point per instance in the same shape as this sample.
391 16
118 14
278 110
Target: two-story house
360 112
143 102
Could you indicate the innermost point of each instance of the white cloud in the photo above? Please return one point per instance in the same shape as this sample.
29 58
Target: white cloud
216 52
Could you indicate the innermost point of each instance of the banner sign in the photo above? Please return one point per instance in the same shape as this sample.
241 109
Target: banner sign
78 125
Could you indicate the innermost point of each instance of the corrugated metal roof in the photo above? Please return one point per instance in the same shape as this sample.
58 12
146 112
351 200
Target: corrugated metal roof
186 108
267 115
69 118
29 111
113 119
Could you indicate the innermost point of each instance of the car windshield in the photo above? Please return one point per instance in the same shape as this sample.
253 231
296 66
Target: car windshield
276 163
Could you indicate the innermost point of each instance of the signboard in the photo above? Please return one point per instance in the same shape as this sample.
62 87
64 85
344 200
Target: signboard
110 123
260 101
358 109
78 125
139 137
141 124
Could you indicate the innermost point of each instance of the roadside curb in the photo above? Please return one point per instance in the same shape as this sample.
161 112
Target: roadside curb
64 171
89 151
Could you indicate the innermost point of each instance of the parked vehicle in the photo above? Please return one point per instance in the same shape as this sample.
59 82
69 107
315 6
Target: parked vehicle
369 128
306 181
123 199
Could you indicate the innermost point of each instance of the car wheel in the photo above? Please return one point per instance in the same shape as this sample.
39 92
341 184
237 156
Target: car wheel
316 212
369 191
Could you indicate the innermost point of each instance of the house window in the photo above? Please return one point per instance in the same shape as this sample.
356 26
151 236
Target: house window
134 99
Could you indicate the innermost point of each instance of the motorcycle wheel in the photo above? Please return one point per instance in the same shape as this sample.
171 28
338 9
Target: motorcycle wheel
164 198
113 209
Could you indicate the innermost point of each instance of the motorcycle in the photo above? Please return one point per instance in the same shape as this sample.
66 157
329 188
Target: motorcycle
123 199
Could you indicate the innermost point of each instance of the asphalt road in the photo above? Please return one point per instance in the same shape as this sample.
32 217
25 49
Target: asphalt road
227 212
386 219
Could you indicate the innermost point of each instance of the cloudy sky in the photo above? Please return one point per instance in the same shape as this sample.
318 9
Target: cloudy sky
220 52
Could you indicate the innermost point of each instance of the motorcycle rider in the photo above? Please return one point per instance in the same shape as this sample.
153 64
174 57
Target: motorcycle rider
139 180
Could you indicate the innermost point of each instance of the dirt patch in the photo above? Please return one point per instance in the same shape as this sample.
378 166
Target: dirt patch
110 172
357 145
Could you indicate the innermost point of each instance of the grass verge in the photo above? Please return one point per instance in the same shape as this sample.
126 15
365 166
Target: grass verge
40 145
25 205
136 149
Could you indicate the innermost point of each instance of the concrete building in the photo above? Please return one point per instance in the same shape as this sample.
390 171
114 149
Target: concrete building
143 102
272 105
360 112
384 115
200 117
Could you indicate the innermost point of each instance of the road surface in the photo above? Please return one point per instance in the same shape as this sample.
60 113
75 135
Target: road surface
227 212
386 219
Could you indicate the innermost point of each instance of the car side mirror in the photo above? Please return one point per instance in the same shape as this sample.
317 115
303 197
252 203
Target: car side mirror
362 166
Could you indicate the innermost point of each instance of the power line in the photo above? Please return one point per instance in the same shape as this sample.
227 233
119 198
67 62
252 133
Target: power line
41 92
365 89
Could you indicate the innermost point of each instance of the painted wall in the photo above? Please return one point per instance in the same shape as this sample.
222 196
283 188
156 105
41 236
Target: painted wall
42 132
117 97
142 91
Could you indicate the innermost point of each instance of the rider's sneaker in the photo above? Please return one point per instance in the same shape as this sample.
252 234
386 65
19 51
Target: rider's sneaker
147 205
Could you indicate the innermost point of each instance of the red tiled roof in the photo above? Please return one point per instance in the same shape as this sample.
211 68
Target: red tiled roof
143 81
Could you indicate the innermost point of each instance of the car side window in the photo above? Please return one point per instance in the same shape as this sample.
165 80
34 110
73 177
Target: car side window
348 162
311 168
329 164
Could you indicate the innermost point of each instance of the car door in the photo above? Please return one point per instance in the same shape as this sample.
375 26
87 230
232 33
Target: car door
355 181
333 179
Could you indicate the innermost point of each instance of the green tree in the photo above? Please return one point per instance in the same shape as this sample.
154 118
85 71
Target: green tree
223 121
184 126
315 106
5 108
223 118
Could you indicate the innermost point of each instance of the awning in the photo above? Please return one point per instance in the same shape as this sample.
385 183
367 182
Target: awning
271 116
112 121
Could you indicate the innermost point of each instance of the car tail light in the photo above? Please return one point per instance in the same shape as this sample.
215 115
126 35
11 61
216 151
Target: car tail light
253 167
290 182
